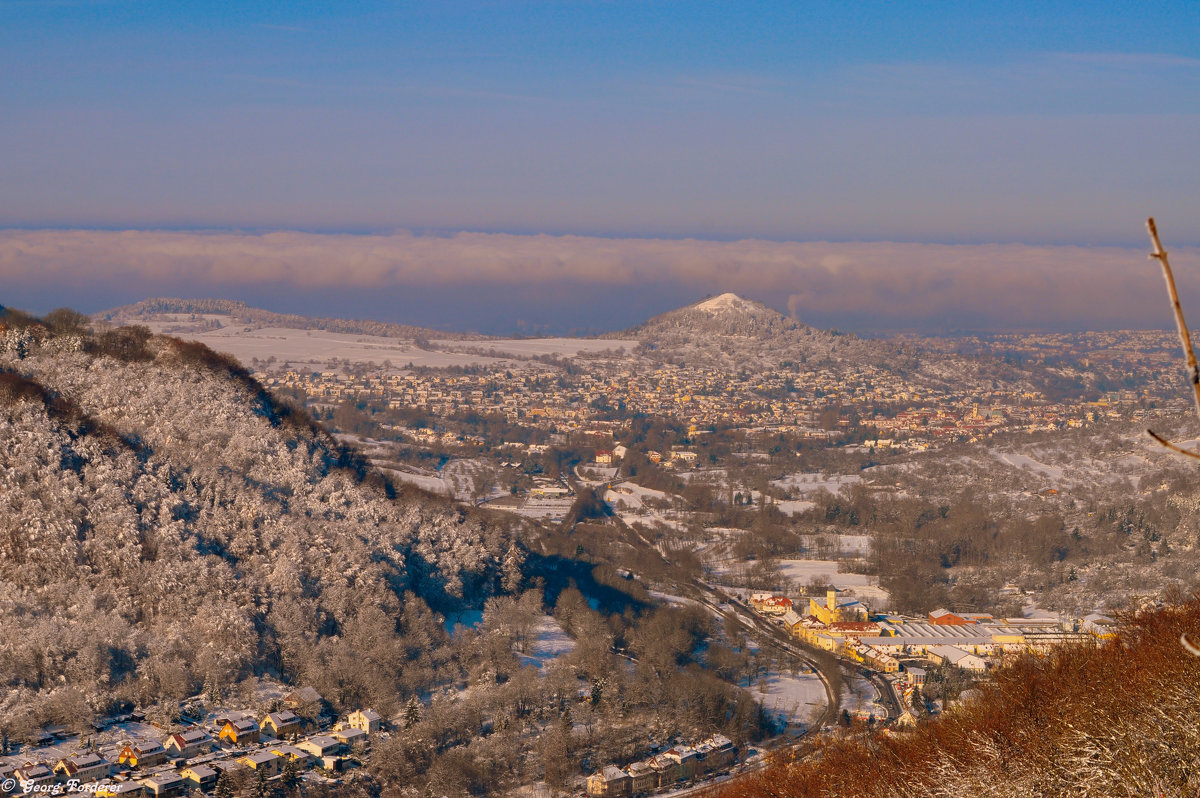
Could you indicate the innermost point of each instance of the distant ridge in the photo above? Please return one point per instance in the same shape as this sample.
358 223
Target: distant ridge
241 313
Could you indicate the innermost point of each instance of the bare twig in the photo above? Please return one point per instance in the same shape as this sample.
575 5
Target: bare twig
1171 446
1185 338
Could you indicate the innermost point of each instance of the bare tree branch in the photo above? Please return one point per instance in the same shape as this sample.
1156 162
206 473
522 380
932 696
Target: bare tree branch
1171 446
1185 337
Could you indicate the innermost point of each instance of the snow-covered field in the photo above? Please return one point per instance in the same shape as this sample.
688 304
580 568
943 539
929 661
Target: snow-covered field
795 699
316 348
805 571
860 695
714 475
800 573
550 642
430 482
673 600
630 501
793 506
804 484
1054 474
854 545
1074 462
631 496
537 347
457 478
592 474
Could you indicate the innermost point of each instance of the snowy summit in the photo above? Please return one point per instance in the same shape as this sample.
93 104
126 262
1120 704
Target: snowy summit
726 303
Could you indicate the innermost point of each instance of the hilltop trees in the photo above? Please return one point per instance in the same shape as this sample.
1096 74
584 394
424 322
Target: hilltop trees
170 524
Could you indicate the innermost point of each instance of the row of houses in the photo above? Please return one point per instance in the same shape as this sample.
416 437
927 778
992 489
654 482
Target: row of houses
679 763
89 768
189 759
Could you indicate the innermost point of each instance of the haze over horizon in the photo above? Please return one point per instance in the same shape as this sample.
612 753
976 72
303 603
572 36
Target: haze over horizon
505 284
969 166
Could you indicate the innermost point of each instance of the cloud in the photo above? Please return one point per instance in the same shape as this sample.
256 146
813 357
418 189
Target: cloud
851 285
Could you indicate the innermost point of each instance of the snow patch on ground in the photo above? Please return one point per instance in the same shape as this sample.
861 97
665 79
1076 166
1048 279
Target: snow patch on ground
858 694
433 484
629 501
794 699
1049 472
791 507
538 347
316 349
805 571
854 545
592 474
631 495
550 642
808 483
673 600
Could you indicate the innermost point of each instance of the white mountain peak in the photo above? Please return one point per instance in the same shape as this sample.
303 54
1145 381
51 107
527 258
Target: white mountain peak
724 303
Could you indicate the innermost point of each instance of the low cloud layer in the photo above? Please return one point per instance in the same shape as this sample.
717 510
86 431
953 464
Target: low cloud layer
857 286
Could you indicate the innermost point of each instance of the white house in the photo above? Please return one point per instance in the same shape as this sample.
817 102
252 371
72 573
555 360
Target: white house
953 655
368 720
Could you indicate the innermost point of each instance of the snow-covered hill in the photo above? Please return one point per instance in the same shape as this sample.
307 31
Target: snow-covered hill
731 331
167 523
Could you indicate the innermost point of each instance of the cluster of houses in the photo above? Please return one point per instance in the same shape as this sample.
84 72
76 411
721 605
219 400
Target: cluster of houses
780 398
767 604
195 757
676 764
844 626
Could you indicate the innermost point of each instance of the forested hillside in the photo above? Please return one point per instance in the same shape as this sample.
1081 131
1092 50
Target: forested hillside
168 526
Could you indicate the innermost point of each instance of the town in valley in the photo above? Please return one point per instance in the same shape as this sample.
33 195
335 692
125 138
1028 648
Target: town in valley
853 541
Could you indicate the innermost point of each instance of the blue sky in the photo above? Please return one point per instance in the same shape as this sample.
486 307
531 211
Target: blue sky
960 121
975 123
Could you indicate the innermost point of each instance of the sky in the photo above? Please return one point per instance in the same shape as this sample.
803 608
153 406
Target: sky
966 142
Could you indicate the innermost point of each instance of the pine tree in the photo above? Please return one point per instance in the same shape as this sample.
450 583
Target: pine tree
412 712
291 774
210 690
261 788
224 788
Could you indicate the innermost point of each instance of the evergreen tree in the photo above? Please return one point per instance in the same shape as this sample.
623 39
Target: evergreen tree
412 712
291 774
261 788
224 788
